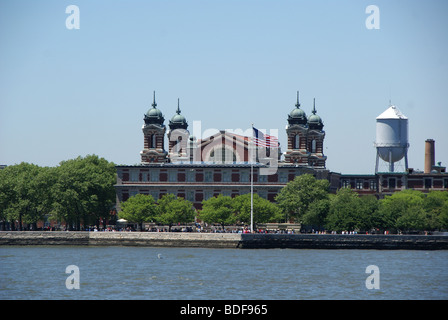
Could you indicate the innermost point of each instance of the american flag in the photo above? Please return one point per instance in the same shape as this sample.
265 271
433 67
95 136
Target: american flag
264 140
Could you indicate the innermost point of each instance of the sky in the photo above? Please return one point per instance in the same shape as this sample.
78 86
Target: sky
72 92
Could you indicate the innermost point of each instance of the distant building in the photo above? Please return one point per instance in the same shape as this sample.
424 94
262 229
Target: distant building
197 169
219 164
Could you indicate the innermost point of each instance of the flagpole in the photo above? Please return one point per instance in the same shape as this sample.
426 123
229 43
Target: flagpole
252 184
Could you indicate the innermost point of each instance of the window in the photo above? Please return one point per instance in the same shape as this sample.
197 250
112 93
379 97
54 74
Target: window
445 183
392 183
190 196
208 194
297 142
359 184
134 175
372 185
226 176
262 178
244 176
283 177
428 183
154 175
208 176
345 183
313 146
221 154
191 176
151 141
172 176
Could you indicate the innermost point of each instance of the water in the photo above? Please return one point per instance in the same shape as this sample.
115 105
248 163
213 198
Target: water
38 272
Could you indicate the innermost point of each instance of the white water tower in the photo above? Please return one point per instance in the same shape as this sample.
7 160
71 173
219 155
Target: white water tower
391 139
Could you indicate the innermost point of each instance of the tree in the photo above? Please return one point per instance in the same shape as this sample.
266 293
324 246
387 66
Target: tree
296 197
344 213
397 210
443 216
218 210
412 219
84 191
24 194
172 209
433 204
317 213
139 208
263 210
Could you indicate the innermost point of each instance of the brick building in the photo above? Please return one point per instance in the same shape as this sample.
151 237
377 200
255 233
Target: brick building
197 169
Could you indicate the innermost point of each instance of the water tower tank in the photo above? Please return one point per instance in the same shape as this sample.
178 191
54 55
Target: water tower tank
392 136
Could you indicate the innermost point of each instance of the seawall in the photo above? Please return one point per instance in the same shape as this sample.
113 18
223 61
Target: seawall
225 240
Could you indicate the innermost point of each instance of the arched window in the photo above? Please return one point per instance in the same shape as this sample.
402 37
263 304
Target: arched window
178 145
313 146
152 141
221 154
297 142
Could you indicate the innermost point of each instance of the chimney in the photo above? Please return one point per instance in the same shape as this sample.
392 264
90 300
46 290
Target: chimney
429 155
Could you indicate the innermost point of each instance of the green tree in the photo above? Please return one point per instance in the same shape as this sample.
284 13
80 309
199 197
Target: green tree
172 209
433 204
218 210
296 197
84 191
395 210
413 218
443 216
348 211
263 210
139 208
368 207
317 213
24 194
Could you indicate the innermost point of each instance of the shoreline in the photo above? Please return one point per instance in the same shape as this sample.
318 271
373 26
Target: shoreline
225 240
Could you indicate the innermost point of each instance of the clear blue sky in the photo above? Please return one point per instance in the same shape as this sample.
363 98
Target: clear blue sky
65 93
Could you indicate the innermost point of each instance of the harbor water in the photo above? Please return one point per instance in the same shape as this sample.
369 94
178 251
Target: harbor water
130 273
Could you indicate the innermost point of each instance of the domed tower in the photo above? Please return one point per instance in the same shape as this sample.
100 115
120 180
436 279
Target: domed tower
154 136
178 137
296 131
316 139
314 121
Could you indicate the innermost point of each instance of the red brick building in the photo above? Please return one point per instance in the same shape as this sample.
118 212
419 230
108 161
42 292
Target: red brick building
197 169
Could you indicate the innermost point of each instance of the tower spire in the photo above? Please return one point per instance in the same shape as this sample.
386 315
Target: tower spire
178 108
154 104
297 104
314 106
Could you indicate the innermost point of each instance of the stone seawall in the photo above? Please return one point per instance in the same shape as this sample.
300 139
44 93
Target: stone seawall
225 240
149 239
26 238
338 241
165 239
